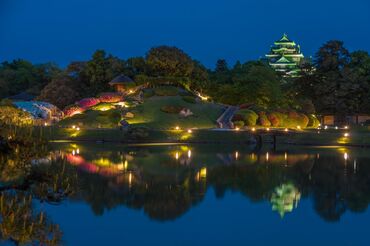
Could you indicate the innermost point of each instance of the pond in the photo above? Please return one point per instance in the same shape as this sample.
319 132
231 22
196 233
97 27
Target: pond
192 195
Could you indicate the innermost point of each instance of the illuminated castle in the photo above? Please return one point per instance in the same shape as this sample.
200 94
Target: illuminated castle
285 57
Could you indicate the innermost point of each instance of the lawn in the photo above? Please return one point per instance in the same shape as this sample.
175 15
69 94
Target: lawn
94 119
149 113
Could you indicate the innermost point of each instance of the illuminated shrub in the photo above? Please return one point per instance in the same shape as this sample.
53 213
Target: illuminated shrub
238 123
13 116
249 117
303 120
295 119
237 117
103 107
171 109
88 102
263 120
274 119
71 110
110 97
313 121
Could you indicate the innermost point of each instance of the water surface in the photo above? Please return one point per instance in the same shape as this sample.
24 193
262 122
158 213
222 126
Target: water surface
204 194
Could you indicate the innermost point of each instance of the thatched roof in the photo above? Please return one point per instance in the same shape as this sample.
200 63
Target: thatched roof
121 79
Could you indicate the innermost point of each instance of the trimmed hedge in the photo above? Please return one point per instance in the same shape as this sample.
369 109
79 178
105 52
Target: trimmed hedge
313 121
88 102
189 99
249 117
110 97
171 109
263 120
239 124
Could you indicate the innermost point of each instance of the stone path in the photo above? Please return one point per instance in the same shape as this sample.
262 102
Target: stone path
224 121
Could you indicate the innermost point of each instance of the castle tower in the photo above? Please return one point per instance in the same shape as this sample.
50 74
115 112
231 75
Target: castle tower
285 57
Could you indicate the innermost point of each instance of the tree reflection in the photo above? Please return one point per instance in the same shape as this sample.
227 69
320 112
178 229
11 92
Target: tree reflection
165 189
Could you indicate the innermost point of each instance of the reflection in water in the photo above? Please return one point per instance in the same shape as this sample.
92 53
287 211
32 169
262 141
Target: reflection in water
285 198
167 181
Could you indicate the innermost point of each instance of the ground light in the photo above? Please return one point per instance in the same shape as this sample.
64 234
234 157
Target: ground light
73 127
346 135
237 129
190 131
253 129
267 129
177 128
286 130
299 127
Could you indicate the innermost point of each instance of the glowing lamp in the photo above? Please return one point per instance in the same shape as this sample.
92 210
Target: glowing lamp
190 131
237 129
253 129
346 134
286 130
78 129
73 127
177 128
267 129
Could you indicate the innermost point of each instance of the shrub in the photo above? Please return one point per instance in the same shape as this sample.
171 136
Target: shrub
249 117
245 105
10 115
274 119
166 91
313 121
88 102
303 120
263 120
72 110
189 99
103 107
237 117
110 97
239 124
171 109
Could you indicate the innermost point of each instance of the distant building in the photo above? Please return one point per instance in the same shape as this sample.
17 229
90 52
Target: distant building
285 57
121 83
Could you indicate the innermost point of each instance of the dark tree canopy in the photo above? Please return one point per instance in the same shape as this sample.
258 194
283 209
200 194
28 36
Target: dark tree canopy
169 61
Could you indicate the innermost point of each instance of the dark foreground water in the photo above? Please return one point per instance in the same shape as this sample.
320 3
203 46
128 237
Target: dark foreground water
201 195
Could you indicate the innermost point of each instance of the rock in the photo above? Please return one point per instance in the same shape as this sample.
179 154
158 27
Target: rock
185 112
129 115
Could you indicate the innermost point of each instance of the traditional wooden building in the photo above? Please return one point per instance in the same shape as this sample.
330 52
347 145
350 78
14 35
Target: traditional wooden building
285 57
121 83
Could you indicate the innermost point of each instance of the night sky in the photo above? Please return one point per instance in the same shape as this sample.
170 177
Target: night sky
68 30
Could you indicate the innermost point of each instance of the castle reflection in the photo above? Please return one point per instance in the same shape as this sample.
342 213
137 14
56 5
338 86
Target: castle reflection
167 181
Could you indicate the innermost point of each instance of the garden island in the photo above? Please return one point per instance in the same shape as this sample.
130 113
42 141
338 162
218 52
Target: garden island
157 133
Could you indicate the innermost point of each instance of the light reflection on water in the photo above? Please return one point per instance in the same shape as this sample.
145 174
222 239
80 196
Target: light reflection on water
167 183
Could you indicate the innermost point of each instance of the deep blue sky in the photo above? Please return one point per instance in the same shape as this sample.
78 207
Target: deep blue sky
69 30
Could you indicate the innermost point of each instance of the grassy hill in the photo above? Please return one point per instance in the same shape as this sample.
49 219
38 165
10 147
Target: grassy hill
150 114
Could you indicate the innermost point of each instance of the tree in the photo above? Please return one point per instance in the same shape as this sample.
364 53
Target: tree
96 71
221 66
169 61
60 91
135 66
332 92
